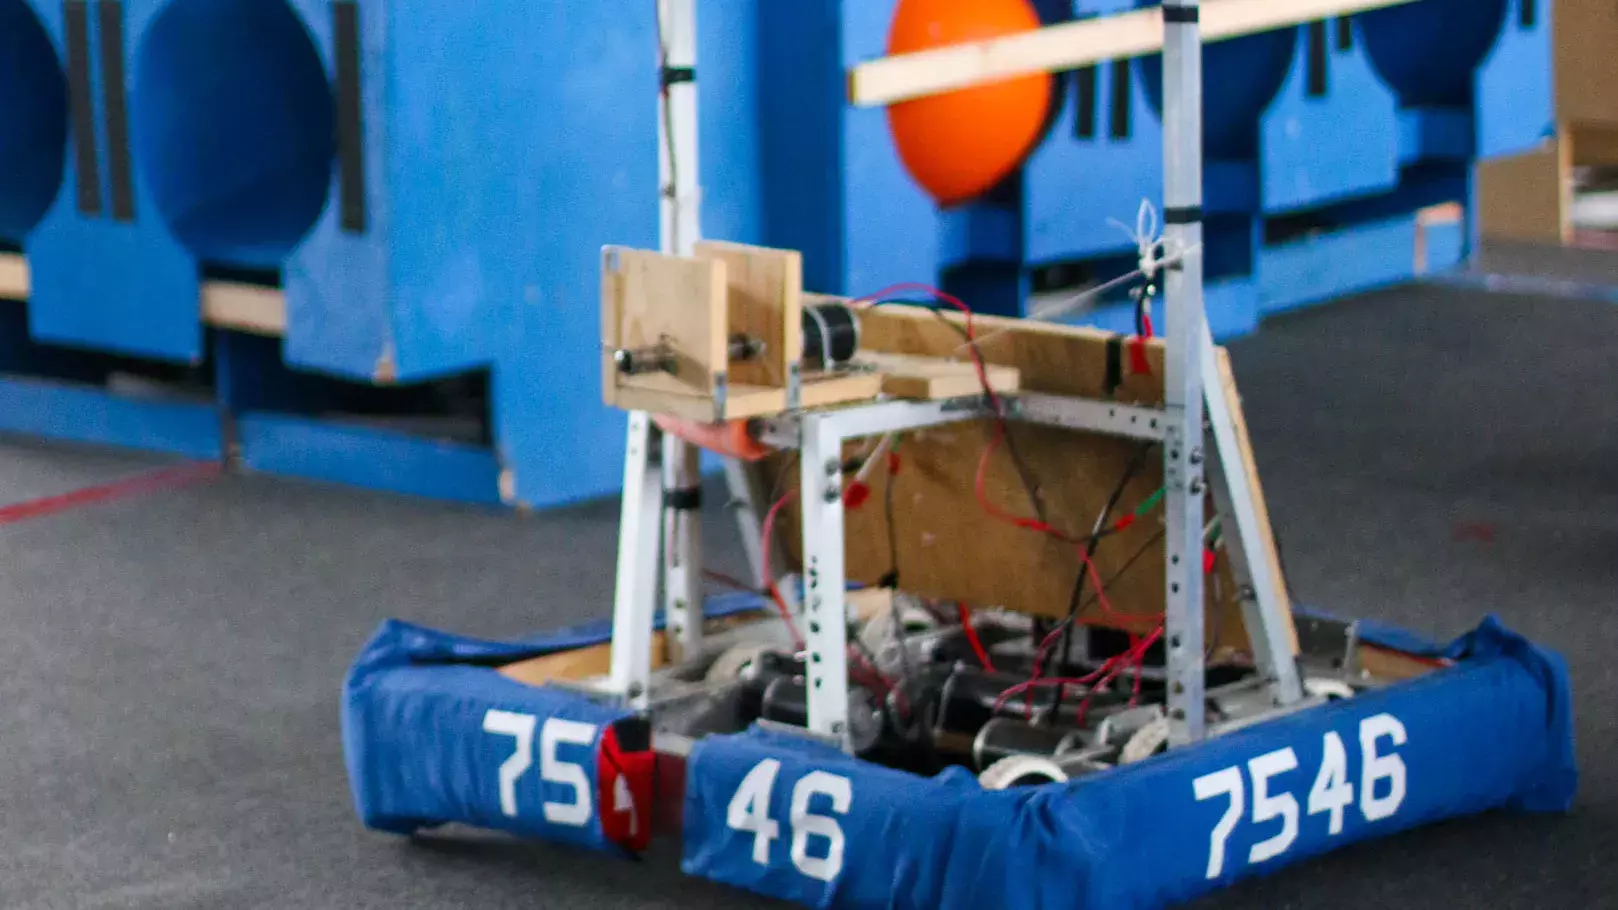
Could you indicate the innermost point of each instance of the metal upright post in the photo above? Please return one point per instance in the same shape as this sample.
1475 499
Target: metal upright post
682 227
820 495
646 495
636 587
1183 456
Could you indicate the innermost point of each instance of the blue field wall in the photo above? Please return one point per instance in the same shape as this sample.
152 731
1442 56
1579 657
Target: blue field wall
432 192
140 297
1328 122
33 92
1332 131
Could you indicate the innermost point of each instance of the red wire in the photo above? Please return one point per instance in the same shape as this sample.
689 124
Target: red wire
1117 665
973 639
729 581
1022 687
766 534
971 331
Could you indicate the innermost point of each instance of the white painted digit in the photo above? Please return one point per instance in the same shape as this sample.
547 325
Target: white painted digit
750 808
1221 783
1332 792
521 728
806 825
624 801
1266 807
1377 767
578 811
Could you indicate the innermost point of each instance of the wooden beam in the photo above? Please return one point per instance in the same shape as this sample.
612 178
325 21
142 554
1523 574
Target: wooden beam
1071 45
230 305
250 308
13 277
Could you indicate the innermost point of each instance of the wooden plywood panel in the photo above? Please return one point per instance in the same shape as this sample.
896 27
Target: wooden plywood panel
1527 198
1249 465
1586 67
765 301
647 298
948 547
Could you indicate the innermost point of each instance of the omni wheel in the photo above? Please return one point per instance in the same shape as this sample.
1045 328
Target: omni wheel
1021 771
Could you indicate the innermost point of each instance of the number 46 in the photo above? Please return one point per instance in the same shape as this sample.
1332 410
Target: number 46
1331 795
750 811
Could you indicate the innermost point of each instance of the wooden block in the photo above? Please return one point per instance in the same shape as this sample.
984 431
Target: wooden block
825 389
933 378
648 298
765 298
1071 45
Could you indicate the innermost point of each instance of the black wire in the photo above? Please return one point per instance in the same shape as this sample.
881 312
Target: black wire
1074 605
1128 564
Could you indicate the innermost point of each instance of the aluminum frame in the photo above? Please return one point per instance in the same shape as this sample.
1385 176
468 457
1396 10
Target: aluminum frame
820 436
1191 371
1183 457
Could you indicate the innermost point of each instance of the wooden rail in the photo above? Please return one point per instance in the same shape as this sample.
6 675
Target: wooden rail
231 305
1070 45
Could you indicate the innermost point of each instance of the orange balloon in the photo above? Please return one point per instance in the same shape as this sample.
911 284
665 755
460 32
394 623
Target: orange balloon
959 144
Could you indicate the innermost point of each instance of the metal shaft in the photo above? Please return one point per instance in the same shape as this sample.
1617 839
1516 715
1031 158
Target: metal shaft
677 145
1183 456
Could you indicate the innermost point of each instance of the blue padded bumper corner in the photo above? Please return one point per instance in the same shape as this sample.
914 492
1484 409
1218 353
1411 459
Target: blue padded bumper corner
792 820
433 734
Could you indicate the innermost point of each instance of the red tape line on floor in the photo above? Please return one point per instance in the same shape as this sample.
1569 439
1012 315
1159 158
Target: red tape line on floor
139 485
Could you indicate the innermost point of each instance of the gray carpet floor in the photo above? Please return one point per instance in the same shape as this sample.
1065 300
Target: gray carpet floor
169 677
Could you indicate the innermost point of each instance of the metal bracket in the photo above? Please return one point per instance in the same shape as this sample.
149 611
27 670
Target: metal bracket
794 384
1089 414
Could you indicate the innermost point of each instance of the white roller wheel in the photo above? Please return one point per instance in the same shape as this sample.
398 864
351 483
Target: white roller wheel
1328 689
734 661
878 633
1147 742
1021 771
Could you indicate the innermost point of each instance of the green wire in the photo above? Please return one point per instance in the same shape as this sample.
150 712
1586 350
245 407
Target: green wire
1150 503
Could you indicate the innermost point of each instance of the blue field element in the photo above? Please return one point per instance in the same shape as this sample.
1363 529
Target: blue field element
432 198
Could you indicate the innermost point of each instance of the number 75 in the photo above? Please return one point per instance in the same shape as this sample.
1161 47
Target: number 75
1331 795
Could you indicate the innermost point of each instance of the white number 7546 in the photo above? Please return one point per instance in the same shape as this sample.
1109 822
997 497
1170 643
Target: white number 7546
1331 795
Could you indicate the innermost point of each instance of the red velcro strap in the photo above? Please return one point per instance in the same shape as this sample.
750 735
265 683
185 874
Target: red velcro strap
624 792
